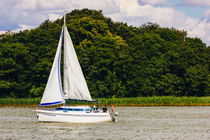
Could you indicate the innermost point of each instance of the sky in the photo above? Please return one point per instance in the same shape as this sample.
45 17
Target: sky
192 16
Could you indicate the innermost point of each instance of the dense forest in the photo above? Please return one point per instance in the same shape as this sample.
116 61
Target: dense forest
117 60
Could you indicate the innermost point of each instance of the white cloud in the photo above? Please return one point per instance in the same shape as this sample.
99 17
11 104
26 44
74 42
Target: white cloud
2 32
165 16
154 2
207 14
23 5
33 12
197 2
23 27
53 17
208 39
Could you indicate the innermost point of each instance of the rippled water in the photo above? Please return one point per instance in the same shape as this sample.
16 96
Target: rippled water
188 123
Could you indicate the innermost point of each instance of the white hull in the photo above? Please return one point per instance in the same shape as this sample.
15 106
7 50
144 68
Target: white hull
72 116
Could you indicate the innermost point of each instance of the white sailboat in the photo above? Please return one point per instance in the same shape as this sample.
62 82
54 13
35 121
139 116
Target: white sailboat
75 88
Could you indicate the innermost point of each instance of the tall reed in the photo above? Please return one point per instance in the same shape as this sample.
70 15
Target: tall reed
138 101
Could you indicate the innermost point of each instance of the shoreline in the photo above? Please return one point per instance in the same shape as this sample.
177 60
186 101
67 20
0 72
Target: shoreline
36 106
128 105
118 102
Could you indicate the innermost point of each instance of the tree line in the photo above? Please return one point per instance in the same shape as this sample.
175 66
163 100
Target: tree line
117 60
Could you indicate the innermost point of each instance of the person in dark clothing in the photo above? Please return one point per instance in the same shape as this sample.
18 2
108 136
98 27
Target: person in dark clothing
104 109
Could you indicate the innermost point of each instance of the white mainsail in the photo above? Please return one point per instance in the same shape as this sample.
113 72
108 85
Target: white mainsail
53 93
75 86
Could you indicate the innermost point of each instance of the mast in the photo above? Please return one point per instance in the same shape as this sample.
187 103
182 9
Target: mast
64 54
64 22
65 84
64 25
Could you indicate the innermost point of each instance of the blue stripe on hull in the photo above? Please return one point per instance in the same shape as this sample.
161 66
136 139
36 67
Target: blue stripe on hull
52 103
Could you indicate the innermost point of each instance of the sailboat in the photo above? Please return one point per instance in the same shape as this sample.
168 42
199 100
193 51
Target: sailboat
74 88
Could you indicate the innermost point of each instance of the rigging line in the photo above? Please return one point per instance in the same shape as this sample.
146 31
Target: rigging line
87 60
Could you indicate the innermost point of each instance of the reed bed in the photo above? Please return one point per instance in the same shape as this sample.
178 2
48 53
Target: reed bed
19 101
138 101
158 101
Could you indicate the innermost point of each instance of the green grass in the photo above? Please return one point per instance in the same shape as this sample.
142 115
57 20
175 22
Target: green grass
158 101
19 101
138 101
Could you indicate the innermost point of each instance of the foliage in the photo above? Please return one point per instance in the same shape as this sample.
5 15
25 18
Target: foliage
117 60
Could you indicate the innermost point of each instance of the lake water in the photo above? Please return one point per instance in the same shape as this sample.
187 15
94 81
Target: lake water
188 123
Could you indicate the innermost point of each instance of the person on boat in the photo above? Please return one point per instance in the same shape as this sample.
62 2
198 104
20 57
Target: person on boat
91 108
104 109
94 108
112 107
97 109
